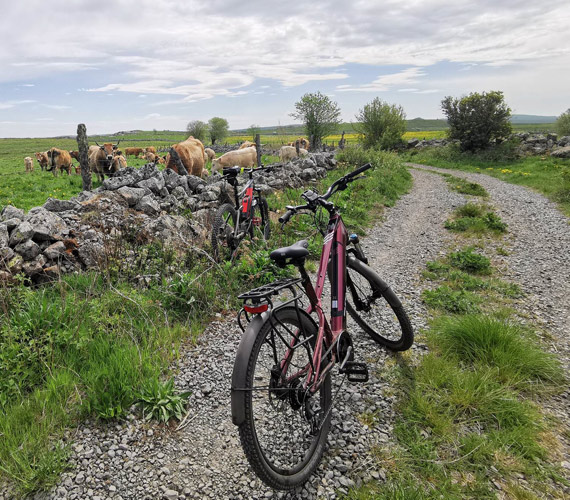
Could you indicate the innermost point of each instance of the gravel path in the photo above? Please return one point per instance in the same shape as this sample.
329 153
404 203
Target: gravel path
136 460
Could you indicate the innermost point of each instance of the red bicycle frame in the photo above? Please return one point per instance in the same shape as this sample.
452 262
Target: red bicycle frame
334 251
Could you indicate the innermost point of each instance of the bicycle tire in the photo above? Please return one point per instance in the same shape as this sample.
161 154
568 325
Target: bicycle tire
261 211
385 321
272 413
223 245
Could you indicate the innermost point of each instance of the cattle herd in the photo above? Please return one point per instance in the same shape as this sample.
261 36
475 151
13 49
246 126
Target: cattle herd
188 157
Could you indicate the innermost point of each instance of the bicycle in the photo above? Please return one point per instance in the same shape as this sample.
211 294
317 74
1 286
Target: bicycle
281 395
233 223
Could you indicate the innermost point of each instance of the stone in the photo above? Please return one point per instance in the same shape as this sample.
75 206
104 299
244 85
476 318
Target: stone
563 152
24 231
91 253
148 205
6 253
34 267
15 264
12 223
132 195
54 251
46 225
28 249
54 205
195 184
154 184
114 183
11 212
4 235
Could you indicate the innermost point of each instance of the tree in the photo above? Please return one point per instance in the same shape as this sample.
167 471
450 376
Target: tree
477 119
563 123
218 129
253 130
320 115
381 124
197 129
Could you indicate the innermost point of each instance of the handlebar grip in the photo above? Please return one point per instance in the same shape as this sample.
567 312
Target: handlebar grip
359 170
286 216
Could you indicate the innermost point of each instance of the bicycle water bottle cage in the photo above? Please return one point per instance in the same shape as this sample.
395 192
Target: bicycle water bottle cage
294 254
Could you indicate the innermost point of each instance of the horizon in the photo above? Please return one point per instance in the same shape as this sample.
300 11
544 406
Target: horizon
251 65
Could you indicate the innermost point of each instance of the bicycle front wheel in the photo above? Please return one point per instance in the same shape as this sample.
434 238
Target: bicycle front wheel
285 428
376 309
224 244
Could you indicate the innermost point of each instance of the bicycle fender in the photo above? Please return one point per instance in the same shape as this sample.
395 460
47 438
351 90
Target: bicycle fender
240 367
384 288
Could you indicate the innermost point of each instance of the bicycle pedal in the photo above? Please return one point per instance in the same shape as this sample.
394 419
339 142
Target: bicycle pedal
355 372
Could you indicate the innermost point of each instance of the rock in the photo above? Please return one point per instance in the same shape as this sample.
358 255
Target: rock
11 212
148 205
52 272
412 143
54 205
46 225
91 253
6 254
563 152
24 231
54 251
154 184
12 223
4 235
170 494
131 194
114 183
195 184
34 267
28 249
15 264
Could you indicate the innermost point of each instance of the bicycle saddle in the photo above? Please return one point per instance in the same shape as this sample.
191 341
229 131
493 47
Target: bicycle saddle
295 251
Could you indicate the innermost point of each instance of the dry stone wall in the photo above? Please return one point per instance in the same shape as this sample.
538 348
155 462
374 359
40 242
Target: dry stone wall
146 204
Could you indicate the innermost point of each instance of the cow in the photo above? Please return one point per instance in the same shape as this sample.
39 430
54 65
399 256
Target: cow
150 157
118 163
246 157
247 144
74 155
101 158
150 149
133 151
186 157
303 143
287 153
59 159
42 159
210 153
29 164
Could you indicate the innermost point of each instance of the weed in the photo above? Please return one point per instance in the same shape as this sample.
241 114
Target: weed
453 301
469 261
475 219
159 401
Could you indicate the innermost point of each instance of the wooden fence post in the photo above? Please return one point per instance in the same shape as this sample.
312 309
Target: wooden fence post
258 148
297 146
83 147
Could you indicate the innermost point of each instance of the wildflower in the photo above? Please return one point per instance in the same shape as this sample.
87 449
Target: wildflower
489 168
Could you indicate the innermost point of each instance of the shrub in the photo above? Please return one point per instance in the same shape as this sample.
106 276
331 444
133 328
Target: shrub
381 125
159 401
477 119
197 129
563 123
218 128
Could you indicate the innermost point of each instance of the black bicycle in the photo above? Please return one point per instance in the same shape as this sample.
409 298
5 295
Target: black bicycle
249 216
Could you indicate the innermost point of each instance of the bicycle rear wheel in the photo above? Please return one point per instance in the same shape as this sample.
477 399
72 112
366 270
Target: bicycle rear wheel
376 309
285 428
260 226
224 244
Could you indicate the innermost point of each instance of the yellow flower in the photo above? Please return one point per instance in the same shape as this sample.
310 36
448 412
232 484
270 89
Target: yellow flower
489 168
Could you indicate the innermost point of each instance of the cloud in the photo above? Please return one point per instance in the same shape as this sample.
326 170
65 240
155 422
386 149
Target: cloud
13 104
387 82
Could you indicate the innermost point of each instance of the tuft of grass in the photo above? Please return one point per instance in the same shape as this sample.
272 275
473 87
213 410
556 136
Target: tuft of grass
464 186
475 219
159 401
502 345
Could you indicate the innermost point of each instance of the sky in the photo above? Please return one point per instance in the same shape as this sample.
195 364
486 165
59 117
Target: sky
158 64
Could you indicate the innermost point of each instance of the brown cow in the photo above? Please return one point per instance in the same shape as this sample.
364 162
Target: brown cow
303 143
150 149
186 157
43 159
119 162
133 151
75 155
150 157
59 159
101 158
247 144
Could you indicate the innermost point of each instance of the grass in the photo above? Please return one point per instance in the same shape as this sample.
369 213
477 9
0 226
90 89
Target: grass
94 344
464 186
475 219
545 174
469 418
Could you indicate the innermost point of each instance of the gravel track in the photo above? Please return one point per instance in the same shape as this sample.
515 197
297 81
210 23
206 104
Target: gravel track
135 460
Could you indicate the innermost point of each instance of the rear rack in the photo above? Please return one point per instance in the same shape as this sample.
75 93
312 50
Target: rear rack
261 296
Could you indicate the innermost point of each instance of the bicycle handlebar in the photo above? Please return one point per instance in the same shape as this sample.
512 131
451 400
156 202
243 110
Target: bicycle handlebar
312 205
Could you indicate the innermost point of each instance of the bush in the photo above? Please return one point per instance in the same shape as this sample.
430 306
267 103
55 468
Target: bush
197 129
381 125
477 120
563 123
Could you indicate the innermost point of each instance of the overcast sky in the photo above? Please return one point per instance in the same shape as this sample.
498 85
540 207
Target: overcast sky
158 64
